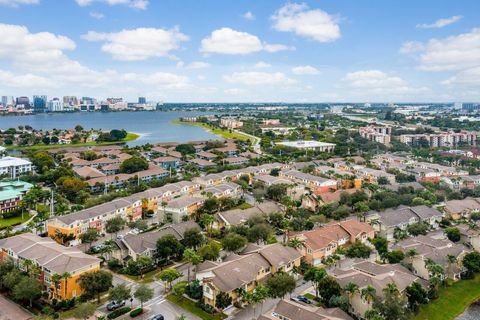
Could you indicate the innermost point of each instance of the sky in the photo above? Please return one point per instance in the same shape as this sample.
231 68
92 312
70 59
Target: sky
242 50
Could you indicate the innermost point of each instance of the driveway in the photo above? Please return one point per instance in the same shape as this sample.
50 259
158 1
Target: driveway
11 311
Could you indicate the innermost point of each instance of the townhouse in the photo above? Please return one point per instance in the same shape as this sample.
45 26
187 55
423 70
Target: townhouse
323 242
287 309
268 180
235 217
202 164
470 235
433 248
373 175
227 189
240 273
181 208
425 174
316 184
386 222
167 162
366 273
461 182
50 258
236 161
457 209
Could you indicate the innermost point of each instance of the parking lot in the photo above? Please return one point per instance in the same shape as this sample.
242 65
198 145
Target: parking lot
11 311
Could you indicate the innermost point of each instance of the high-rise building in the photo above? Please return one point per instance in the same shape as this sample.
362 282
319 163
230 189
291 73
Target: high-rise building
25 101
114 100
142 100
55 105
70 101
39 103
4 101
88 100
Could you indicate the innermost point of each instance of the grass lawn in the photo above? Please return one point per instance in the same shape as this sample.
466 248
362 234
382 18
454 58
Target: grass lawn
244 206
147 277
452 301
13 221
192 308
219 132
130 137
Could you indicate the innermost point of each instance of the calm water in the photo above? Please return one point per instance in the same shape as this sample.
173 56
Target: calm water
151 126
472 313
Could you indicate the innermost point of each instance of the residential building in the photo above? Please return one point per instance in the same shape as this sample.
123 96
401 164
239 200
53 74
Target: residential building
309 145
167 162
323 242
236 161
457 209
386 222
241 272
202 164
235 217
316 184
39 103
227 189
289 310
231 123
14 167
443 139
50 258
181 208
376 134
365 274
11 193
55 105
373 175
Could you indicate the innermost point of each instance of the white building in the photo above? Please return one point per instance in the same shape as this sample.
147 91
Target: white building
14 166
55 105
309 145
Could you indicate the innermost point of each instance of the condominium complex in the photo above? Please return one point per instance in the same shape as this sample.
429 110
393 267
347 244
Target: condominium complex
443 139
14 167
11 192
376 134
231 123
50 258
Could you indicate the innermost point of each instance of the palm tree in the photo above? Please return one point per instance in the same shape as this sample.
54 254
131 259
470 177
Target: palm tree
350 288
55 279
65 276
451 259
27 264
295 243
368 294
391 288
411 254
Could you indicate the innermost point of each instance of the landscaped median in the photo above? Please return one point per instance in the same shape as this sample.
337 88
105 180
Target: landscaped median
453 300
226 134
191 307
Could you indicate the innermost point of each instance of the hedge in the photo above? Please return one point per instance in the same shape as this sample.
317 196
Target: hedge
136 312
117 313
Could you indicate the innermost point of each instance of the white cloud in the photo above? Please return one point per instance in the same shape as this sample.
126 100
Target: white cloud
253 78
452 53
379 85
411 47
138 44
25 81
229 41
440 23
97 15
248 15
305 70
262 64
234 91
17 3
466 78
163 79
136 4
197 65
314 24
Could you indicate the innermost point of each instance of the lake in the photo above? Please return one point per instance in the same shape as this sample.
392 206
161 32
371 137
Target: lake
152 126
472 313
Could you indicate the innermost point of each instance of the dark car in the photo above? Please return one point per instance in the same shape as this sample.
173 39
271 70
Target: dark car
156 317
301 298
112 305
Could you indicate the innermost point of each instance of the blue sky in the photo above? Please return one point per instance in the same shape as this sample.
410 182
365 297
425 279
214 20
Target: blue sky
251 51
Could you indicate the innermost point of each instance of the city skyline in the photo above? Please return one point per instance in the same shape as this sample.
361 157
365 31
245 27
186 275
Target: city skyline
241 52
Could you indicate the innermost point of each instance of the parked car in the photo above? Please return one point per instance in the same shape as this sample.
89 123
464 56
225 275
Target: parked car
301 298
156 317
112 305
120 237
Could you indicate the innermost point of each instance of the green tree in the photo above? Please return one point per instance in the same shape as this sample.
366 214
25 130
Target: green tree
168 247
134 164
27 289
222 300
471 261
395 256
350 288
119 293
315 275
417 229
328 287
192 238
84 311
114 225
192 257
43 161
143 294
368 294
210 250
207 220
358 250
259 232
89 236
94 283
416 295
453 234
280 284
10 279
277 191
72 188
169 275
381 245
65 276
185 149
233 242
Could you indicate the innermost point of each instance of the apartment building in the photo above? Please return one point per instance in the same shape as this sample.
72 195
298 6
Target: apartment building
14 167
231 123
316 184
323 242
443 139
241 272
51 258
376 134
11 192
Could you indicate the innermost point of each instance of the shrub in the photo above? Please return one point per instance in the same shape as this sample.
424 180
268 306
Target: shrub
117 313
136 312
114 264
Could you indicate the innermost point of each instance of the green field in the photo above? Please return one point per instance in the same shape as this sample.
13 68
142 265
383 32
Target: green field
130 137
14 221
452 301
226 134
192 308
